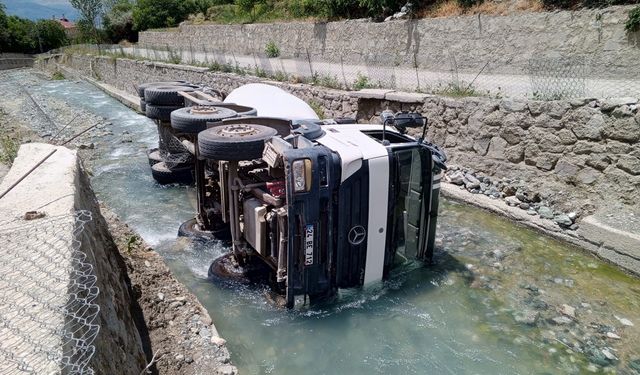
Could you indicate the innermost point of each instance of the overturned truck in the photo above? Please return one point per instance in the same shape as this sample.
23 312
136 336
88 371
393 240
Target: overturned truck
319 204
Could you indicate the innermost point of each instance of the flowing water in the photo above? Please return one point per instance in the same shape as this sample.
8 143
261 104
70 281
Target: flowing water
487 305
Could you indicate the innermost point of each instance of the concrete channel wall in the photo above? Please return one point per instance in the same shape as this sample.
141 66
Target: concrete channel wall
59 188
15 60
580 155
595 37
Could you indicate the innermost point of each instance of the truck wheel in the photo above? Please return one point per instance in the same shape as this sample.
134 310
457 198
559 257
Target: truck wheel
166 95
193 120
160 112
140 88
191 229
234 142
165 175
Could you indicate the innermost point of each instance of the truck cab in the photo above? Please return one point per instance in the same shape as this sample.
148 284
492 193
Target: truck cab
320 204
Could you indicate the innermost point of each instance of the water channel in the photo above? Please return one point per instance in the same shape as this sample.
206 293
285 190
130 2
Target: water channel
487 305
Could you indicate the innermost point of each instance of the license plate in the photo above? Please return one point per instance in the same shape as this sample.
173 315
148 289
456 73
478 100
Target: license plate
308 245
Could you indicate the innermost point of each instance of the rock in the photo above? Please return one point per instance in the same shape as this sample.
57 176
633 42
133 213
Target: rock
587 176
566 170
563 220
528 317
179 357
625 322
524 206
567 310
622 111
481 146
612 335
545 212
514 154
512 134
567 137
226 370
561 320
599 162
510 105
572 216
161 296
531 212
625 130
592 367
592 129
470 182
512 201
612 103
456 178
608 354
546 162
218 341
629 164
596 356
497 147
147 264
635 364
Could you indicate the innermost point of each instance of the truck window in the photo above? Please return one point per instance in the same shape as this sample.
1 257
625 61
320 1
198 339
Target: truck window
408 202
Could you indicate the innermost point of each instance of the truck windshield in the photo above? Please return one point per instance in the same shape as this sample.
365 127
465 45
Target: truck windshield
408 201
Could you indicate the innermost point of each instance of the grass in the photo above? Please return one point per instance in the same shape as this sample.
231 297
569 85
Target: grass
8 145
451 8
362 82
57 76
457 90
317 108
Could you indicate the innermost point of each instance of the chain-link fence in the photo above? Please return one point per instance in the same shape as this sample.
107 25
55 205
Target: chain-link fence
543 78
47 294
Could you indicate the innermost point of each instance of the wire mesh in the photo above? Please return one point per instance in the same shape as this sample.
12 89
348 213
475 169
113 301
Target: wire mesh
172 151
47 293
557 78
437 72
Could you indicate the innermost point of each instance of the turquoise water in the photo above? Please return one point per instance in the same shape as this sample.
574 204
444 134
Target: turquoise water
453 317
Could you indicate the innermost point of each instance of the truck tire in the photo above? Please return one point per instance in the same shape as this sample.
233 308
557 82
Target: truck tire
165 175
234 142
193 120
155 156
140 88
191 230
143 106
166 95
160 112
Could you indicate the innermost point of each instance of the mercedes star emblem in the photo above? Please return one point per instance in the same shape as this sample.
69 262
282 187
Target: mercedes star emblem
357 235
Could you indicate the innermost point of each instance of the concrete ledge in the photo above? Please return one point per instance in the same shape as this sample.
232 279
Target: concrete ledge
370 93
406 97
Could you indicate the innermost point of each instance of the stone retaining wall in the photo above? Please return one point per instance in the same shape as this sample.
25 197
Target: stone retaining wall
593 36
574 154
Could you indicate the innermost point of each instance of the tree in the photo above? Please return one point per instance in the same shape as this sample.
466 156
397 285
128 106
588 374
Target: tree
49 34
150 14
4 29
90 12
118 22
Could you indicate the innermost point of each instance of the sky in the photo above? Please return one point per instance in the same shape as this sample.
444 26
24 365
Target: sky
36 9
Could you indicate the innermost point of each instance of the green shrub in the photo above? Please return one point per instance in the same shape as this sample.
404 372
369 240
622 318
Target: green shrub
633 22
57 76
272 50
362 82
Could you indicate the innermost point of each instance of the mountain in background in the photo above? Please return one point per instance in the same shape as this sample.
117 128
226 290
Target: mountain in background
37 9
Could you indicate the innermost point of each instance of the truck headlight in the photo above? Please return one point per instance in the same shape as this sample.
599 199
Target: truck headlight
301 175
